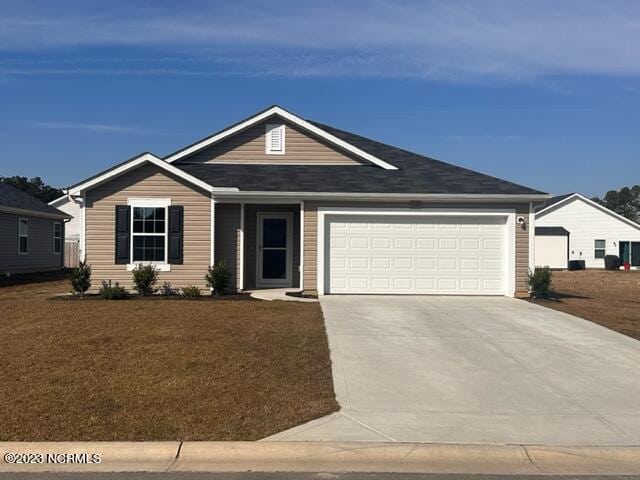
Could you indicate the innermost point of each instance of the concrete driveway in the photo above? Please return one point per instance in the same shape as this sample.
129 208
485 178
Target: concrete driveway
475 370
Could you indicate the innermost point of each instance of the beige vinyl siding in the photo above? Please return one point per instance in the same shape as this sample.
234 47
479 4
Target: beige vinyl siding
147 181
227 239
248 146
40 256
250 250
311 235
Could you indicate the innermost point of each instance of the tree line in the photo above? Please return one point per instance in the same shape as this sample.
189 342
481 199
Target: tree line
36 187
625 202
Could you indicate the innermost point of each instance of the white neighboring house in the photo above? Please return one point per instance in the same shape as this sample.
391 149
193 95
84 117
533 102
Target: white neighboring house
594 231
68 206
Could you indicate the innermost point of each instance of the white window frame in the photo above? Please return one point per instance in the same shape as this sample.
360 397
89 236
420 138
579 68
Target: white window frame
57 238
164 265
269 128
595 249
20 235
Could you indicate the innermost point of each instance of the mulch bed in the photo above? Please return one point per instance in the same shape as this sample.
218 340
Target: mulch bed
152 369
608 298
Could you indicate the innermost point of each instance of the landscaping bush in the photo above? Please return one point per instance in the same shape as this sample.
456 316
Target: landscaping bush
191 291
81 279
218 278
540 282
145 278
112 292
167 290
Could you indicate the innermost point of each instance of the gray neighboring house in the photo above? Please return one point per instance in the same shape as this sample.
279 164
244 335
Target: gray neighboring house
31 233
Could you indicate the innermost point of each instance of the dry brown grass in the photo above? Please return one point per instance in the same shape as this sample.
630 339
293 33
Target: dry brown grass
609 298
157 369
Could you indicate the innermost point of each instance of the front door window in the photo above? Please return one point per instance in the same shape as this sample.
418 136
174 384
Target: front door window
273 258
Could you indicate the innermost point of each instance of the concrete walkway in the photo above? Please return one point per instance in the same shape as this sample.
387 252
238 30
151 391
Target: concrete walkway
270 294
475 370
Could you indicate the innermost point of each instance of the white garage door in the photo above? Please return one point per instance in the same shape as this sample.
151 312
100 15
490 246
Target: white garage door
416 255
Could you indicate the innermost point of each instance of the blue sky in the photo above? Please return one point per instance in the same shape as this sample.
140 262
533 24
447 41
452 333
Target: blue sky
543 93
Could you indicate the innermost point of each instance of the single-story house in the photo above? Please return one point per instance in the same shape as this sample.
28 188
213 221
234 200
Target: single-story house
573 227
292 203
31 233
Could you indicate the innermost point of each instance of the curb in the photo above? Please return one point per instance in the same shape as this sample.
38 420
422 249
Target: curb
69 456
330 457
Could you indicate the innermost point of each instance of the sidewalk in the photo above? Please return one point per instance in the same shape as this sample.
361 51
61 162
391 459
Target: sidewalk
321 457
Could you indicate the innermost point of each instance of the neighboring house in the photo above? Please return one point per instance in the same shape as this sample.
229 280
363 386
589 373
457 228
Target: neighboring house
291 203
71 208
593 232
31 233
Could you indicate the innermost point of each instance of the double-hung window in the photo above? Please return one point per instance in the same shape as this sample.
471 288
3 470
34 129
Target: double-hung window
57 237
23 236
600 248
149 234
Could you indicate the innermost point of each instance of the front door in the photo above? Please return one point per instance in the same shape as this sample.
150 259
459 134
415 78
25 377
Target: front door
274 250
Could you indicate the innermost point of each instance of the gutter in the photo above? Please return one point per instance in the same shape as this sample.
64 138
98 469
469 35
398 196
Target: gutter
384 196
34 213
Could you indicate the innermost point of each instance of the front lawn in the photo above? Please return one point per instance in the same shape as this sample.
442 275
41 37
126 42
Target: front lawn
609 298
157 369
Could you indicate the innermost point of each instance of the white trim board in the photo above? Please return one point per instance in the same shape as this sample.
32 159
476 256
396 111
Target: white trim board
241 248
58 200
564 201
290 117
510 237
301 266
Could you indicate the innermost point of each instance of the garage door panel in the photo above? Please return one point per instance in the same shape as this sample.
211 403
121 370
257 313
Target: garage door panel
416 255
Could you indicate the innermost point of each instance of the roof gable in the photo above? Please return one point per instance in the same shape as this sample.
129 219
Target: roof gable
566 199
289 117
249 147
133 163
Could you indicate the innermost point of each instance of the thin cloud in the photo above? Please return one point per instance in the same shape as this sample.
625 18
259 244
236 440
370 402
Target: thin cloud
93 127
484 138
451 40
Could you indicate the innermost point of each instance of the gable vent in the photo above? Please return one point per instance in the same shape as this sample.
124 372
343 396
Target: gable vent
274 139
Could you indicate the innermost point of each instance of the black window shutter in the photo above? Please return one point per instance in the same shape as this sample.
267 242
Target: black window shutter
123 234
176 237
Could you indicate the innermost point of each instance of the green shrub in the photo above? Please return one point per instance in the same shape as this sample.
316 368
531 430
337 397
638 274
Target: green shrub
540 282
81 279
145 278
191 291
167 290
218 278
112 292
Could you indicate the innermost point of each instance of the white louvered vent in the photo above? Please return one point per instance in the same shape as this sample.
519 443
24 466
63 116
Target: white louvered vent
275 139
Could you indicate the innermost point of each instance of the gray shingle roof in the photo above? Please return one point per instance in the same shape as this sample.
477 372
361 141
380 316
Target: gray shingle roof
11 197
416 174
